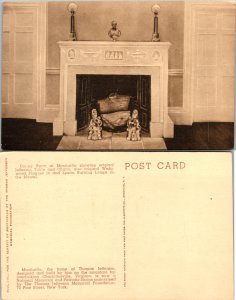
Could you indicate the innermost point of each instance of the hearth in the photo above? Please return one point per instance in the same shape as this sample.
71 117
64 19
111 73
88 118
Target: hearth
114 59
90 89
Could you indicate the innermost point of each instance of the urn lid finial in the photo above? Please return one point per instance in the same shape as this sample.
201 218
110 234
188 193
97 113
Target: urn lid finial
72 7
156 8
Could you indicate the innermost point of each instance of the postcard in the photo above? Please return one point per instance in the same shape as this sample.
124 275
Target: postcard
91 226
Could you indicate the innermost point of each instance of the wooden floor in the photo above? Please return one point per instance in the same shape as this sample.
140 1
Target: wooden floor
202 136
21 134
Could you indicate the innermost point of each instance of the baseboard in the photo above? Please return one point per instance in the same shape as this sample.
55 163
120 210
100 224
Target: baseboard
47 115
180 117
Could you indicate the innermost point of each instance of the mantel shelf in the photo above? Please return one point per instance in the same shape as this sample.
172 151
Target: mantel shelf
113 44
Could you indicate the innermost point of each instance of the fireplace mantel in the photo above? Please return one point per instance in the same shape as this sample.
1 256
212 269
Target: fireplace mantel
121 58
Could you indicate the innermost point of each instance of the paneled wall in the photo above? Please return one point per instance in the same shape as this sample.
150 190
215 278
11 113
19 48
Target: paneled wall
135 20
201 58
209 62
19 61
214 65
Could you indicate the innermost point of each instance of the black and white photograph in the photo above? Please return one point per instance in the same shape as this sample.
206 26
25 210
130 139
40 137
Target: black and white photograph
118 75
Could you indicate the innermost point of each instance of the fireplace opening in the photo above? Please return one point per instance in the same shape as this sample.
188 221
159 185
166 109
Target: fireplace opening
91 89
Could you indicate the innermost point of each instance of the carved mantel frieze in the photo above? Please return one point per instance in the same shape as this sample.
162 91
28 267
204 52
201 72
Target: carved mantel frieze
119 53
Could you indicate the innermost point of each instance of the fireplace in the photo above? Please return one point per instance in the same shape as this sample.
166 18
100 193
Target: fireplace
114 59
90 88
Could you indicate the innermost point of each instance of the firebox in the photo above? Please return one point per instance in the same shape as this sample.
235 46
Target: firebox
91 88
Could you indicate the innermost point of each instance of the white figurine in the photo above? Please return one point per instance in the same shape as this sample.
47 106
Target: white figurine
95 126
133 127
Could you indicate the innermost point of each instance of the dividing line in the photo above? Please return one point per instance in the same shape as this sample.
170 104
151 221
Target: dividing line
124 233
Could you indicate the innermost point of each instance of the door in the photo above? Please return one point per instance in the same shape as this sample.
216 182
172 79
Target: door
143 101
19 62
213 68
